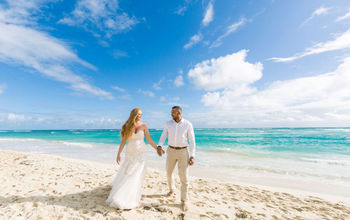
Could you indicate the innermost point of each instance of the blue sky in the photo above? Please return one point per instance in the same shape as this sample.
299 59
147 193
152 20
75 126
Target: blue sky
87 63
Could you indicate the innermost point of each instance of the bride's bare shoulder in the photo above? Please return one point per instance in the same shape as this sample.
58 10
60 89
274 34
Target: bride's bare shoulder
144 125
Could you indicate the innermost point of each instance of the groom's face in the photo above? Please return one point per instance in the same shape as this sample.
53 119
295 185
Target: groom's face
176 114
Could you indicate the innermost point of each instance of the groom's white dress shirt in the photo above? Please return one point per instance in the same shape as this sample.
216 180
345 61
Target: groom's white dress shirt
178 134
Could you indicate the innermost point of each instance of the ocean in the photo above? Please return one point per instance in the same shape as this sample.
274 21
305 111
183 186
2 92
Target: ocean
306 155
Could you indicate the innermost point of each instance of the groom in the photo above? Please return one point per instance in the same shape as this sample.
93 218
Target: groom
178 131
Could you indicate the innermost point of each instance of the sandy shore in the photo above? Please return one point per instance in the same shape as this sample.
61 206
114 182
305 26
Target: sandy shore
36 186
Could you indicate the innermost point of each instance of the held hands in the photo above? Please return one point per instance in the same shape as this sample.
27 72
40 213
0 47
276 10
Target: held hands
160 151
191 161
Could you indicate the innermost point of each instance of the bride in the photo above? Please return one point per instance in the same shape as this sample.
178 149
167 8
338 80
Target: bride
127 184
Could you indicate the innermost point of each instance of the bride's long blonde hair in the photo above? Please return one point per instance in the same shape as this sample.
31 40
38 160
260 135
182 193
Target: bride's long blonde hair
128 126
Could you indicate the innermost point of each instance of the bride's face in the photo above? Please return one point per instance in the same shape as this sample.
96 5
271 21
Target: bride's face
138 116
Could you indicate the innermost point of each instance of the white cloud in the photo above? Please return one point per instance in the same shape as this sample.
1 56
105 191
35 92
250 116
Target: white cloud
118 89
169 99
179 81
230 71
230 29
322 100
102 122
125 97
2 88
100 15
339 43
26 46
156 85
319 11
120 54
45 54
57 120
208 15
24 12
145 92
194 40
181 9
344 17
17 117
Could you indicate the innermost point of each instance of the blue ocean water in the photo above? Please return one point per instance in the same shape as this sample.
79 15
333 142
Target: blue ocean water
306 154
264 140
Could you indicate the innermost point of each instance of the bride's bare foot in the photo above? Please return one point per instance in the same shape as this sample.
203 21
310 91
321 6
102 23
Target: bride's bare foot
184 206
170 193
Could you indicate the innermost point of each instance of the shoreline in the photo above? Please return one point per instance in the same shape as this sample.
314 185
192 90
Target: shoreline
48 186
268 183
300 186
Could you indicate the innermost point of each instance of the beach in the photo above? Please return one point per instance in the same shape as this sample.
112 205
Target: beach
41 186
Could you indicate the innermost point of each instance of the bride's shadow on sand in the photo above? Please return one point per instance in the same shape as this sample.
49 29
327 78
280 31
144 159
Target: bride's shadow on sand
86 202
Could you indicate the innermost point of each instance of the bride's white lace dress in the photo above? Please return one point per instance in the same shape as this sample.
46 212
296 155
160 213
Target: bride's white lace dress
127 184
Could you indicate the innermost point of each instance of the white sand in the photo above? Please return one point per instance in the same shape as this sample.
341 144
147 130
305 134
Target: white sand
36 186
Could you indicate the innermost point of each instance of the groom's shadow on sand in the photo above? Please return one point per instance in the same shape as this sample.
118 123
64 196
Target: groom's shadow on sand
88 202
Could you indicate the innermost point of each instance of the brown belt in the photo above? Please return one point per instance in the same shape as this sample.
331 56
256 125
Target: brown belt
177 148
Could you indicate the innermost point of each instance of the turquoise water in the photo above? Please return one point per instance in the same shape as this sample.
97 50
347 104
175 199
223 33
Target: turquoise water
306 155
278 140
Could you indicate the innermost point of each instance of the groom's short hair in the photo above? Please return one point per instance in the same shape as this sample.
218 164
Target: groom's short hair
177 108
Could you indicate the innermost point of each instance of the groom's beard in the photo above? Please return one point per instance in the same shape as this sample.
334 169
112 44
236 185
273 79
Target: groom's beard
176 118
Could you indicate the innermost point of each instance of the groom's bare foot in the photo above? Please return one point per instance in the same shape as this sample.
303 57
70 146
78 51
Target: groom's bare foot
184 206
170 193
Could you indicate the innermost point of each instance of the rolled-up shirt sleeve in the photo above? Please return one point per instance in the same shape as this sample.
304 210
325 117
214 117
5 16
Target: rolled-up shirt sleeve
163 136
191 139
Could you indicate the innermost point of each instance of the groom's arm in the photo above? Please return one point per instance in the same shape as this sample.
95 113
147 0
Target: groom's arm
163 136
191 139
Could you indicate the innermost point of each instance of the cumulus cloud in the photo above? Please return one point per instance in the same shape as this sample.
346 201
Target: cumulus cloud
230 71
208 15
194 40
341 42
321 100
100 16
37 50
179 81
230 29
17 117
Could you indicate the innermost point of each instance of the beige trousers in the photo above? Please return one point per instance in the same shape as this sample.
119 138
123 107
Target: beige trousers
181 158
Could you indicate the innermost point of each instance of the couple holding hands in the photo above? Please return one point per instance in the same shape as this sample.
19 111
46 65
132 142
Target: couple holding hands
127 184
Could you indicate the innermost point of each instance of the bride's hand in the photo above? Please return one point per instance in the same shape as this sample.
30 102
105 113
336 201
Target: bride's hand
118 159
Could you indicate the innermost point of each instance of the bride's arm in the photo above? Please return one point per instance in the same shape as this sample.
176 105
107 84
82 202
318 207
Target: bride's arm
121 147
149 139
